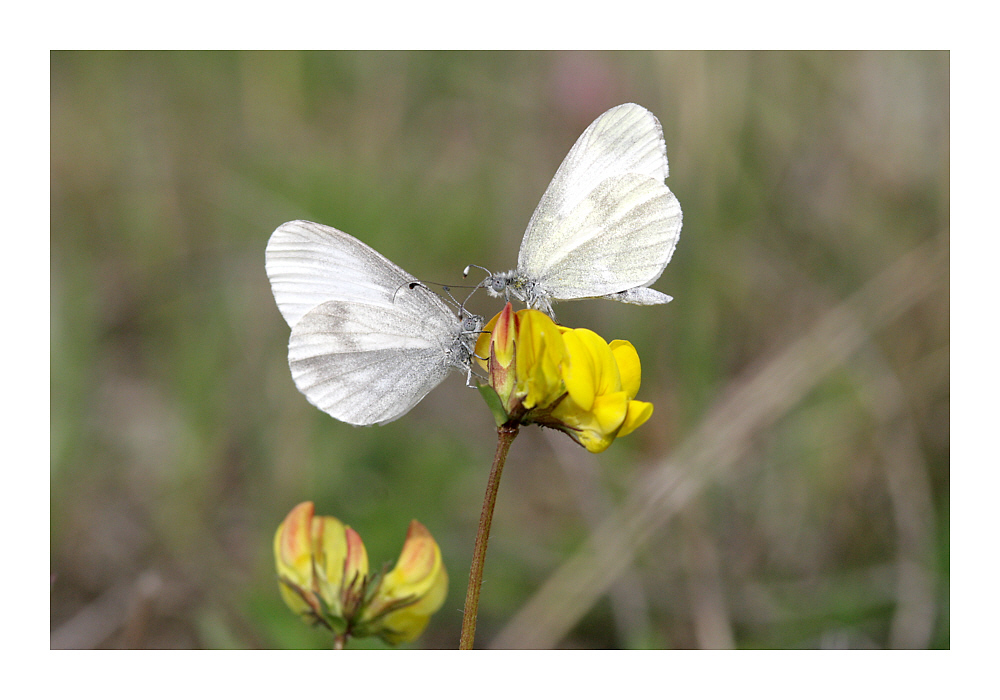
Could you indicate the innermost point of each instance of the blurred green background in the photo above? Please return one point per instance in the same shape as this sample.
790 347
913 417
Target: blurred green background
179 442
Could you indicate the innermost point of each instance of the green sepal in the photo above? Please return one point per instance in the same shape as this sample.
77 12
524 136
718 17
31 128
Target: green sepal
492 400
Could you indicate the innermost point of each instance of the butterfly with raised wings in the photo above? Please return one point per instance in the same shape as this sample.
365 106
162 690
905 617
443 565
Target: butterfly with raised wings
606 226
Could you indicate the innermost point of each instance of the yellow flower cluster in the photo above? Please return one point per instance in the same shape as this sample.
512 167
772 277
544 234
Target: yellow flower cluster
563 378
323 576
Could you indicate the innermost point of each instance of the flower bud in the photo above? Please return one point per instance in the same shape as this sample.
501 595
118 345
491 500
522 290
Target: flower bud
323 577
408 595
322 566
501 356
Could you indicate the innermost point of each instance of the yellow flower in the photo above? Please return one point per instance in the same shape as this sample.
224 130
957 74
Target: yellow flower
322 567
408 595
323 577
568 379
602 381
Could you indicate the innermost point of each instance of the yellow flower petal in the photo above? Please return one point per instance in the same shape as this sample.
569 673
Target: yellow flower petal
594 441
300 601
293 559
609 411
418 564
482 350
540 352
579 371
293 545
595 429
606 376
403 625
593 355
629 368
329 544
638 413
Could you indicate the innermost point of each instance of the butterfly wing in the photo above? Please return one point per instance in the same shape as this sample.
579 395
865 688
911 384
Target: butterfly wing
309 264
365 346
367 363
607 222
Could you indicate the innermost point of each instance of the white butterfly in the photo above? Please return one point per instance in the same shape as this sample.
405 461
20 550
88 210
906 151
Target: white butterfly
607 224
368 341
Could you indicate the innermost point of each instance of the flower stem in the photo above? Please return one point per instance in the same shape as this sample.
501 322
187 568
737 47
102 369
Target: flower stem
340 641
505 436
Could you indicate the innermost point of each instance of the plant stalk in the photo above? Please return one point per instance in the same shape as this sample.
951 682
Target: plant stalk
505 436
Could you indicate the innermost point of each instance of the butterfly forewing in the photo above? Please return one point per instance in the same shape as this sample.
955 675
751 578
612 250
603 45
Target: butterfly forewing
625 139
309 264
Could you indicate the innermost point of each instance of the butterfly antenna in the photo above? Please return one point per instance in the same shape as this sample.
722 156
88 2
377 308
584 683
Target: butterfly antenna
409 285
460 305
447 290
465 272
470 295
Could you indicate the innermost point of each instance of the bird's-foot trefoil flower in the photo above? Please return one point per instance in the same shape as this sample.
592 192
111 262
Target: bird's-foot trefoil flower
323 577
562 378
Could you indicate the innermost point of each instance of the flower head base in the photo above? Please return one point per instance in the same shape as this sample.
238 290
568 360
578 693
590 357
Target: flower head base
562 378
323 577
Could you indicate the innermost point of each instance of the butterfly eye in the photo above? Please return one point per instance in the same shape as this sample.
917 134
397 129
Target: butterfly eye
498 284
470 324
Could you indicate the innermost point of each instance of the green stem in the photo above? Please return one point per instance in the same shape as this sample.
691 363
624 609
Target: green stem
340 641
505 436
